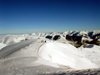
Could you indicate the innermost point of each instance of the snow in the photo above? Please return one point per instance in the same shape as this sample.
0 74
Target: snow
68 55
2 45
96 32
11 39
81 33
51 55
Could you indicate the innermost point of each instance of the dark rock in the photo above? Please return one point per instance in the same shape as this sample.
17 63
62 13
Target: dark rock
74 38
94 41
96 36
75 34
56 37
90 34
48 37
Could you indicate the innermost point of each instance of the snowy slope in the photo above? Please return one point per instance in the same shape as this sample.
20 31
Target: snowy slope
11 39
51 55
68 55
2 45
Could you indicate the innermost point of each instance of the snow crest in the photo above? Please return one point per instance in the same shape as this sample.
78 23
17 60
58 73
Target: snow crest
67 55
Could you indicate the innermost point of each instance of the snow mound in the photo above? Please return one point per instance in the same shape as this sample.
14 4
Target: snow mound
66 54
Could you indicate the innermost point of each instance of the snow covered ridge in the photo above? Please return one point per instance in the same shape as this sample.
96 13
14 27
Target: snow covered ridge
82 37
79 37
82 33
26 57
90 34
11 39
68 55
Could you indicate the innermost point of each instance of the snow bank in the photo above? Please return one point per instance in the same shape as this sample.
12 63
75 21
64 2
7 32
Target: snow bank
68 55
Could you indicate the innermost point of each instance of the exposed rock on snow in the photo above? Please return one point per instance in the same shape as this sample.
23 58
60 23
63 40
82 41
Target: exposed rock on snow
94 41
56 37
74 38
49 37
81 37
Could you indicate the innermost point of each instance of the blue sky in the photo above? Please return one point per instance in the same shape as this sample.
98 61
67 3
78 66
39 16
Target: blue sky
27 16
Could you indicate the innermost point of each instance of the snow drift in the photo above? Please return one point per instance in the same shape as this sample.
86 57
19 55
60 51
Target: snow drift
68 55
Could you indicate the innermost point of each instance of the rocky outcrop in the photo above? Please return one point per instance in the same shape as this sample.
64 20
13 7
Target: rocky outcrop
93 36
56 37
48 37
74 38
78 38
94 41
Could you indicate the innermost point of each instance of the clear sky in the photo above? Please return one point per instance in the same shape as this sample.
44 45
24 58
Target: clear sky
27 16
